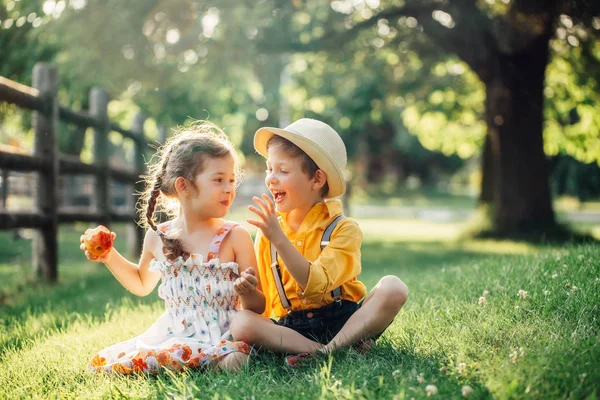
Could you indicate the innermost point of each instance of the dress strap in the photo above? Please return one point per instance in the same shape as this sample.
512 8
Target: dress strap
213 249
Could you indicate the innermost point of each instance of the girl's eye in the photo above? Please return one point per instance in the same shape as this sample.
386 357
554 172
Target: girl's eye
219 180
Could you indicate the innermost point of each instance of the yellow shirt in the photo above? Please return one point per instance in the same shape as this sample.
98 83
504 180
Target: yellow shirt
337 265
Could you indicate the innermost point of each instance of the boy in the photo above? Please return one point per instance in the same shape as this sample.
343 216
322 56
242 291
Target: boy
308 272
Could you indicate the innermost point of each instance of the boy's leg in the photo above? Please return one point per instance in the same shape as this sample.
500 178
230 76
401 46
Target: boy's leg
378 310
260 331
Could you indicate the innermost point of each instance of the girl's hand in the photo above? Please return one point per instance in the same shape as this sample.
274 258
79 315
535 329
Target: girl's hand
268 224
91 257
246 283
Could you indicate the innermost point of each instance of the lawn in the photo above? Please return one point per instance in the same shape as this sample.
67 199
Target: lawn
509 320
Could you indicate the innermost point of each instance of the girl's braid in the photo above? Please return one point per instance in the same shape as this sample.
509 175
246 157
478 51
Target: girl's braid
172 248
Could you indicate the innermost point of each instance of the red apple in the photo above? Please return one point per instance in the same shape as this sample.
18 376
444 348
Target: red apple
98 241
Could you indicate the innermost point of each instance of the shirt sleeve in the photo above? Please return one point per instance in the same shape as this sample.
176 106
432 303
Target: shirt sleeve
338 263
260 244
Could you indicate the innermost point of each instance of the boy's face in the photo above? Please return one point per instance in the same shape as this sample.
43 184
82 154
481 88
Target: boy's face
290 187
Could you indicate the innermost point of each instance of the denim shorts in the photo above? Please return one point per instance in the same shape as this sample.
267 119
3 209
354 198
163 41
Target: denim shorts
320 324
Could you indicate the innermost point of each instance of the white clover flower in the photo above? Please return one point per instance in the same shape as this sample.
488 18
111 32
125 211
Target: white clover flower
421 378
567 285
574 289
462 367
546 292
580 257
396 374
466 391
482 300
554 275
431 390
485 293
523 294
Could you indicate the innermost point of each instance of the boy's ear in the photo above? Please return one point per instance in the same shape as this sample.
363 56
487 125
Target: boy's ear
319 180
182 186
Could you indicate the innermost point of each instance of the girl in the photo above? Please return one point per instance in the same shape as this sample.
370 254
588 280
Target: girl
207 265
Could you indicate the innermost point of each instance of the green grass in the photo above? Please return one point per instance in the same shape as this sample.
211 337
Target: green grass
544 346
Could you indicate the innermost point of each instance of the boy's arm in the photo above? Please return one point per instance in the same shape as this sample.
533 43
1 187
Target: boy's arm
338 263
295 263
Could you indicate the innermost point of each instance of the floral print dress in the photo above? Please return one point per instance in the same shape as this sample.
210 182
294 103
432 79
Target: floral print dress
194 331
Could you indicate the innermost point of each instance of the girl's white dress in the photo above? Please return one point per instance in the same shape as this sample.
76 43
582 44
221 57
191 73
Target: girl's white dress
194 331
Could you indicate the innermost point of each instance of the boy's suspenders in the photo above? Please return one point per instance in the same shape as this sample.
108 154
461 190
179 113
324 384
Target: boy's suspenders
336 293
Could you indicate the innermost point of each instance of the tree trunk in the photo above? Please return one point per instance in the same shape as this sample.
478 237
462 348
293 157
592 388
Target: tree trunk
521 201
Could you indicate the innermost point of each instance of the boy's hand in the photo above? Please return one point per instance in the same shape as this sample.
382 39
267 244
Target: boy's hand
91 257
246 283
268 224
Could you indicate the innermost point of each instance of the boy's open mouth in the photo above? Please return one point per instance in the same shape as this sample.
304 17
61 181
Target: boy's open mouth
278 195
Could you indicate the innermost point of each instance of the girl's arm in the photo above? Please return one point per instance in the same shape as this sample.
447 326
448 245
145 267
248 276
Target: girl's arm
248 284
134 277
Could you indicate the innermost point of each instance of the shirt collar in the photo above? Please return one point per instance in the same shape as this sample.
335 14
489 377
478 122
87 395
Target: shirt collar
331 208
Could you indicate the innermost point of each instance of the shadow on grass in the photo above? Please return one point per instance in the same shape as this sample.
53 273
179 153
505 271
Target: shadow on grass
383 372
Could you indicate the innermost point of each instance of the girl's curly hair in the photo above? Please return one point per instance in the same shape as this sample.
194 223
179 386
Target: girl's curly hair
183 155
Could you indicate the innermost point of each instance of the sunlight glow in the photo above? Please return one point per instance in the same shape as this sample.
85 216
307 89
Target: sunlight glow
343 7
443 18
78 4
49 6
411 22
173 36
262 114
190 57
210 22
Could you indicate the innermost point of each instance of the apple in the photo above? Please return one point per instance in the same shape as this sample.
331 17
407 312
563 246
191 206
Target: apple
98 241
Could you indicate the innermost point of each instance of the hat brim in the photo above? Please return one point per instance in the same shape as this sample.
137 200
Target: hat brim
335 176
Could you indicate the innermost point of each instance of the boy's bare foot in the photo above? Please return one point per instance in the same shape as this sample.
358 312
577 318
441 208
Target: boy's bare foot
364 346
296 360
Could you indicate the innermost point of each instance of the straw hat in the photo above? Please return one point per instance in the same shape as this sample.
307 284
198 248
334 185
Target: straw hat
317 139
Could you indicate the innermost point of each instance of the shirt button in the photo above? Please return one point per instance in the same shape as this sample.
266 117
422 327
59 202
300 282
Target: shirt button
299 243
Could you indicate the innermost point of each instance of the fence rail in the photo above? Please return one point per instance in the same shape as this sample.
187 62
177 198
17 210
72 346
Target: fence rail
49 164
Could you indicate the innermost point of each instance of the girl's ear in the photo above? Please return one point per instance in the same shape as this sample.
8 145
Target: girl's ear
182 187
319 180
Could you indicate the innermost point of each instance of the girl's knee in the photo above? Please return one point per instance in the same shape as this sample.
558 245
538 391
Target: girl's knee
241 326
395 292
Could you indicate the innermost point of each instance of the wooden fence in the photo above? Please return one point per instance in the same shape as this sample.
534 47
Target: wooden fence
49 164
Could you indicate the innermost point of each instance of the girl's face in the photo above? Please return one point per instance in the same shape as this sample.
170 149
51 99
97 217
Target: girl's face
214 188
290 187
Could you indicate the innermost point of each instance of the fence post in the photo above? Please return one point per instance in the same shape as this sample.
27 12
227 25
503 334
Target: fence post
4 190
136 235
98 109
45 125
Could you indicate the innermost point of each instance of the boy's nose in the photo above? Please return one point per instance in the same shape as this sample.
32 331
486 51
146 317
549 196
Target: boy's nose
270 178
